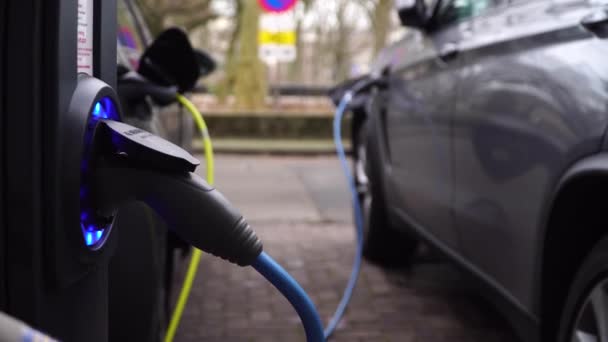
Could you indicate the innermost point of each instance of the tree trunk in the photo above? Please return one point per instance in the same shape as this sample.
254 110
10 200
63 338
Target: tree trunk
381 22
250 80
226 85
341 46
188 14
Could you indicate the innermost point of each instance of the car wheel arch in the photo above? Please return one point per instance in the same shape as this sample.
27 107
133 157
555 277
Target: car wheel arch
574 202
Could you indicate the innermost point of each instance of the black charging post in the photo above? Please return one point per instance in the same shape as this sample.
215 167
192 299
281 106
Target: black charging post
54 260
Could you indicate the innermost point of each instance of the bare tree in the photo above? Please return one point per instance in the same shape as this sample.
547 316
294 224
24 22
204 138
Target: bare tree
226 85
341 43
381 23
296 67
188 14
379 14
246 70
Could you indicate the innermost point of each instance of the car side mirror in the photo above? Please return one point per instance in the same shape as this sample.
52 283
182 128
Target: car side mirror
171 61
412 13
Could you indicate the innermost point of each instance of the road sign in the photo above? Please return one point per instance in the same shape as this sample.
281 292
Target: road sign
277 6
277 37
277 53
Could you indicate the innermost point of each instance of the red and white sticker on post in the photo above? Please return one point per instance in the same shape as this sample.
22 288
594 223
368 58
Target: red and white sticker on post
84 52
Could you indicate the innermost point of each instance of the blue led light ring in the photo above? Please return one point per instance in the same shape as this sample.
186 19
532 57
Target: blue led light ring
94 230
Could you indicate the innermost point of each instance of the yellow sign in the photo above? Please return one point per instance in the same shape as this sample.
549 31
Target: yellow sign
279 38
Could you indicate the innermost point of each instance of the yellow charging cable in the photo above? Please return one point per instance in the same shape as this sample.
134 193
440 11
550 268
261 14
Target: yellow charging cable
202 127
196 254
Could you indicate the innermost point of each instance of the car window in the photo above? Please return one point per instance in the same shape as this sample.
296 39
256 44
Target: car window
130 43
457 10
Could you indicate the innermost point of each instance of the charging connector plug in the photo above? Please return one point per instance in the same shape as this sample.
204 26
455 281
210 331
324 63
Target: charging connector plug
133 165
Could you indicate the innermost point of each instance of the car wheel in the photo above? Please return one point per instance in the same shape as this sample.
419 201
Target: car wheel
585 315
382 244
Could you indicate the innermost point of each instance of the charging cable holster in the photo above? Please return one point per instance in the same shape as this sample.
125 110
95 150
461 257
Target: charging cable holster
72 258
106 164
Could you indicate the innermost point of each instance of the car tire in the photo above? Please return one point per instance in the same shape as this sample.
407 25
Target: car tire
587 299
382 244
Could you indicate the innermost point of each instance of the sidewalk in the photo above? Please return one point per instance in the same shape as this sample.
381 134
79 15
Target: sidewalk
299 206
272 146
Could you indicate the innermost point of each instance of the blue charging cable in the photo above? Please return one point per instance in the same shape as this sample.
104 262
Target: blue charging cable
354 274
294 293
288 286
274 273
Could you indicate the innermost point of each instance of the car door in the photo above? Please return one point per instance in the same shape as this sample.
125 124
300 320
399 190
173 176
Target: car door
423 82
532 101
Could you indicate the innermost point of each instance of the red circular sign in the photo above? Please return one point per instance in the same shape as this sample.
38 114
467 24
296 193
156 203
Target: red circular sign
277 5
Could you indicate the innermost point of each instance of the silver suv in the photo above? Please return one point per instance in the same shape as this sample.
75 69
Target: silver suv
488 142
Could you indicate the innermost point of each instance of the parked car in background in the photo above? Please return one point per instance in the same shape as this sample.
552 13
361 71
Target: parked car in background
141 269
133 37
489 143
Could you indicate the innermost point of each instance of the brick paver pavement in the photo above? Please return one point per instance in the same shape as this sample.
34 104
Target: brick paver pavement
431 302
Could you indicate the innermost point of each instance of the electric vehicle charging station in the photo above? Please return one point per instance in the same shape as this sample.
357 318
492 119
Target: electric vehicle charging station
68 276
